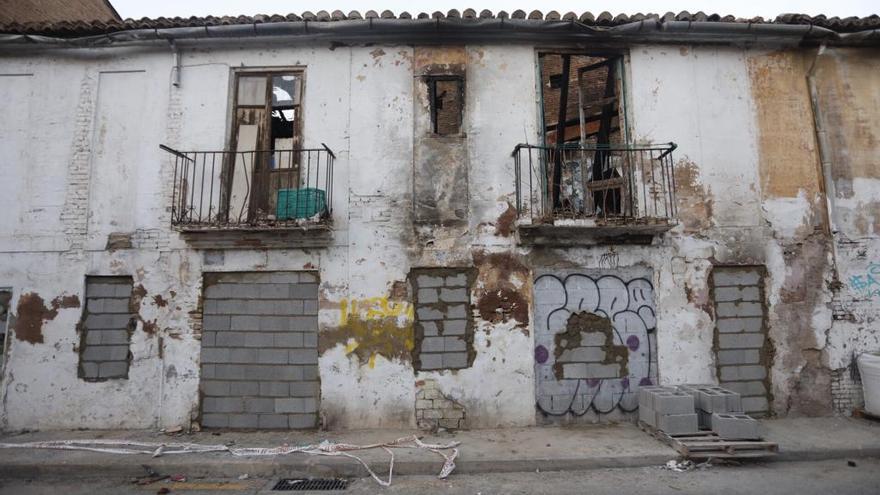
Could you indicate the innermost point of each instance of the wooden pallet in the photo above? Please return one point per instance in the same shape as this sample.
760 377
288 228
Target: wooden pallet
707 444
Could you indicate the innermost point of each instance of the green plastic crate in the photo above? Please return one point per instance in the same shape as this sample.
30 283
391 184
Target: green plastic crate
300 203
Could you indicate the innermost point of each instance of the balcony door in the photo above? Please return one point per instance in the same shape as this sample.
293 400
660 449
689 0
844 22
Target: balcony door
267 132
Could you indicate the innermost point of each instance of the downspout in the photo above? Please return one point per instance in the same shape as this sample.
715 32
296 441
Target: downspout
825 164
175 63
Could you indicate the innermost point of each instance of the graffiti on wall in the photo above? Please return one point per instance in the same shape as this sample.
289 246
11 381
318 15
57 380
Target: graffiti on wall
594 342
371 327
867 284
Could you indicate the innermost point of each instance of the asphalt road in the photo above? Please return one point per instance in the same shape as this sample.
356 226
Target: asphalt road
860 476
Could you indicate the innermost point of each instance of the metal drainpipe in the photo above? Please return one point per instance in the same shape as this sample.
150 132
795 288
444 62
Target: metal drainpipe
824 160
175 69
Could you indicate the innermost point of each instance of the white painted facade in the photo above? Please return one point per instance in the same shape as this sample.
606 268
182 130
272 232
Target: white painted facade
79 153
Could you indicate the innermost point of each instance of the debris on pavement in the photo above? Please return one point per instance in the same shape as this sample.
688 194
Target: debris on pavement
325 448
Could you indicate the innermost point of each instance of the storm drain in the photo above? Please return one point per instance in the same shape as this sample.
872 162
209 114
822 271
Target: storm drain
301 485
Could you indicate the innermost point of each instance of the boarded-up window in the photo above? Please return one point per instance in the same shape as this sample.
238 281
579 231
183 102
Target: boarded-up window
446 95
108 322
444 333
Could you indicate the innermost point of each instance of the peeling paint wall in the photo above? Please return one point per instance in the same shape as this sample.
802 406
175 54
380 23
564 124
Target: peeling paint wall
751 192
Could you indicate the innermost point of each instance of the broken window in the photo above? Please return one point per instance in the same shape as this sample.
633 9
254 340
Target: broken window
446 95
267 138
5 300
106 328
583 131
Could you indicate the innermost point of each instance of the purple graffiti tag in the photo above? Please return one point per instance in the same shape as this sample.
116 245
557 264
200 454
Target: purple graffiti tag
633 343
624 382
593 382
541 354
645 382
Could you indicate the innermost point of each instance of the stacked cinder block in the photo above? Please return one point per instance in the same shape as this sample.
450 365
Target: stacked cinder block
668 409
443 333
434 410
721 410
106 328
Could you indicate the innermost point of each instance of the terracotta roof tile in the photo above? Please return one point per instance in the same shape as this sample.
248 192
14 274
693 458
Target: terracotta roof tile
604 19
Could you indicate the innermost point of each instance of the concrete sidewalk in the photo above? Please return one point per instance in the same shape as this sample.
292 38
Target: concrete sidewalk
481 451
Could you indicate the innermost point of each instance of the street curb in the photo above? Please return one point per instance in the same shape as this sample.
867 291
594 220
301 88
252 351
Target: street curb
291 466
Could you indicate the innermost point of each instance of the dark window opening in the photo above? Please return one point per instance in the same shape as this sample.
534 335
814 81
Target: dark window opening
446 96
5 301
583 118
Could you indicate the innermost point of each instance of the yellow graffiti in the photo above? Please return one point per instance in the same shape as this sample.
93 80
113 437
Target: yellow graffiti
376 326
374 308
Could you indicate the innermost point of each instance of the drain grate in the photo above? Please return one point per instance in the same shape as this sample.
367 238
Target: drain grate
301 485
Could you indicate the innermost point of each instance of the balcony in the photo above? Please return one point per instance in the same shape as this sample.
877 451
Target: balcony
253 198
575 194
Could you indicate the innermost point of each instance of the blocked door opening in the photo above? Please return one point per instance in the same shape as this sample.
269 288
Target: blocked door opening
260 350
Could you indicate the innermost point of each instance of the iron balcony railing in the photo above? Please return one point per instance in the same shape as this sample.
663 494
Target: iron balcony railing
620 183
251 189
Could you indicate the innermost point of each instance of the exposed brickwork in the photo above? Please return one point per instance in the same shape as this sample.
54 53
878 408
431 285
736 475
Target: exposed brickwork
846 391
108 321
74 216
443 325
435 410
741 345
260 350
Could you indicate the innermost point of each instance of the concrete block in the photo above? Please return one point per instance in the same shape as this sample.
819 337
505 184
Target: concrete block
274 291
208 371
308 277
304 323
229 339
755 404
427 296
429 281
666 403
710 400
223 404
107 321
274 323
208 339
602 370
288 339
304 389
287 308
89 370
229 371
215 355
244 356
302 421
244 323
582 355
592 339
310 340
432 414
740 356
258 339
429 314
647 393
724 294
424 404
747 372
456 312
283 278
454 327
448 423
736 276
243 421
741 341
704 419
296 405
272 421
272 356
433 344
430 328
97 289
455 360
304 291
454 295
259 405
310 307
244 389
647 415
303 356
737 325
454 344
308 373
231 306
105 353
746 388
275 389
118 306
678 424
457 280
736 427
210 420
431 361
730 309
